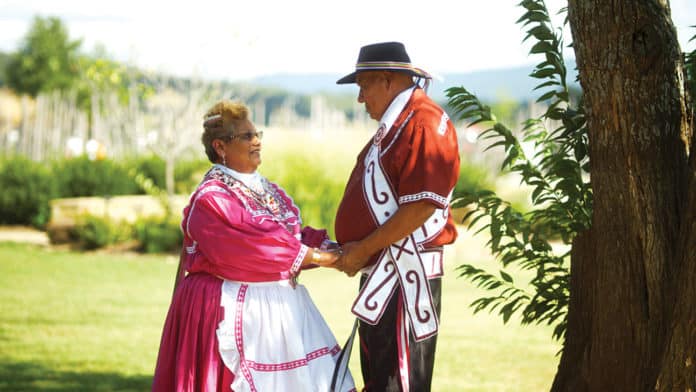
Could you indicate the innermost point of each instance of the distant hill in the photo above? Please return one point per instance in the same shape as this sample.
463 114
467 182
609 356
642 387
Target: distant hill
509 83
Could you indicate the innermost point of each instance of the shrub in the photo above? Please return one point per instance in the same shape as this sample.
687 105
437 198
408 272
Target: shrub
93 232
472 178
83 177
151 167
159 234
188 174
27 187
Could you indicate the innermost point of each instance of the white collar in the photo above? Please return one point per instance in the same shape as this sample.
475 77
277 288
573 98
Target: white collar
251 180
396 107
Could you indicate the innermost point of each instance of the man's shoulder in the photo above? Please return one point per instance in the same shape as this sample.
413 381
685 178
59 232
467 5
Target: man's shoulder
423 100
425 108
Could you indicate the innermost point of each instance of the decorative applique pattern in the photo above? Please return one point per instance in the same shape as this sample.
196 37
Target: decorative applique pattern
262 205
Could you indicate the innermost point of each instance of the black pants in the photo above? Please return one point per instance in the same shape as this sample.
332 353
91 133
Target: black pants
379 359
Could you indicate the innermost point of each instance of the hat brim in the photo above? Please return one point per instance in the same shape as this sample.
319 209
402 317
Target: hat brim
350 78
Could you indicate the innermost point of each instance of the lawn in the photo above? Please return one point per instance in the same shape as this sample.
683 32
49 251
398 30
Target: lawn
92 322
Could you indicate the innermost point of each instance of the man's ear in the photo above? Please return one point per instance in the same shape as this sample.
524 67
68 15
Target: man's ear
387 78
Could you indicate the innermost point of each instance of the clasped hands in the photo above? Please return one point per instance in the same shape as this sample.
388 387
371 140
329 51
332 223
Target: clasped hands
347 258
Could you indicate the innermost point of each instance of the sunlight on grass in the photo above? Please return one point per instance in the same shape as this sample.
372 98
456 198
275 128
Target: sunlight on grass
475 352
80 317
92 321
74 320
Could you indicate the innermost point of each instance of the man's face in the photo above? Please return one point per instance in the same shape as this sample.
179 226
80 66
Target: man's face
374 92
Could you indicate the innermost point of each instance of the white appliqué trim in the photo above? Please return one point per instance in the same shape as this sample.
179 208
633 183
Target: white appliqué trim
442 128
298 260
443 201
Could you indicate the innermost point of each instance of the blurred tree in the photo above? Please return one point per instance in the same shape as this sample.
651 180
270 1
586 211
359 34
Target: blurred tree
47 59
4 59
101 79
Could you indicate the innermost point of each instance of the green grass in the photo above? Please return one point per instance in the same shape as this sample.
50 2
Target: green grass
80 322
92 322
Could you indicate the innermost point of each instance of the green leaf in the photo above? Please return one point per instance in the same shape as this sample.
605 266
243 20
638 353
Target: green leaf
546 96
542 47
506 277
543 73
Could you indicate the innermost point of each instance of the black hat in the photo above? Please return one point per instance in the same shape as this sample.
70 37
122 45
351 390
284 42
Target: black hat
390 56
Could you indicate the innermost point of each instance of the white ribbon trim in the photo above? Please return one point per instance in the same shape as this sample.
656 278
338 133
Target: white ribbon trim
401 262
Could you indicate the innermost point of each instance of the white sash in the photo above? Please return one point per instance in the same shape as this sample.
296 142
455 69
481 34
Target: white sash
401 263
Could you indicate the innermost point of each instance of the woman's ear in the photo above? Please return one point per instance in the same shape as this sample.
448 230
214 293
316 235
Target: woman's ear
219 147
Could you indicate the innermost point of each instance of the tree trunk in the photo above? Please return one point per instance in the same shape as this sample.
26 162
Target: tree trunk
625 268
678 372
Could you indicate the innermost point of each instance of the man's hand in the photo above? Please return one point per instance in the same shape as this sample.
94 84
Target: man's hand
352 259
328 258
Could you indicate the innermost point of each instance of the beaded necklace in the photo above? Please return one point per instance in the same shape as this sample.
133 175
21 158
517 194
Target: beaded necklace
262 194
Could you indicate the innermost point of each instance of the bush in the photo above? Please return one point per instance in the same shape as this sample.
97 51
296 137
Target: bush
159 234
83 177
93 232
472 178
188 174
27 187
151 167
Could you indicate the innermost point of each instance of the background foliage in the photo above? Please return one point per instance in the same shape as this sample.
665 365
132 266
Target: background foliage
46 61
558 173
27 187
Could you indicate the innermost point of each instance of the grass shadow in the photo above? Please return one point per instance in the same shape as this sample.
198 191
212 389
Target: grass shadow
30 376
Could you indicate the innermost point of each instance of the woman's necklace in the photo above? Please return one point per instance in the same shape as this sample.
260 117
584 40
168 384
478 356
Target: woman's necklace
264 197
254 188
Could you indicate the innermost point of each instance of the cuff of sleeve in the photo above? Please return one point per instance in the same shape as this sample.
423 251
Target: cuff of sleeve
439 201
298 260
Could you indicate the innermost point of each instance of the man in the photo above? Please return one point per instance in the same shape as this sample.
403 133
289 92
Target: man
394 219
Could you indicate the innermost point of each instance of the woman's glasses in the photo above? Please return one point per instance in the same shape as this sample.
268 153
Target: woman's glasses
248 136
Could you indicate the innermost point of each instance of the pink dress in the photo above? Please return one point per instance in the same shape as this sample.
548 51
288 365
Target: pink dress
238 320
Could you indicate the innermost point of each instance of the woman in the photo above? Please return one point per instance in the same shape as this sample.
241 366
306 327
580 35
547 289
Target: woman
238 321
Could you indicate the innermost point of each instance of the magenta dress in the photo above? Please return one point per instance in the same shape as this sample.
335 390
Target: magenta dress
238 320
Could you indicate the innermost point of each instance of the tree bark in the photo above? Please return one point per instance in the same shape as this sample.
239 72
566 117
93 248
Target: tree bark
621 318
678 371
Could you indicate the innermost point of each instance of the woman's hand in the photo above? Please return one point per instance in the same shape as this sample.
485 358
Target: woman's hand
353 259
329 258
323 258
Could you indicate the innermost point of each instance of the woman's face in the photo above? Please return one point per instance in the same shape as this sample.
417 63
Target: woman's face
243 152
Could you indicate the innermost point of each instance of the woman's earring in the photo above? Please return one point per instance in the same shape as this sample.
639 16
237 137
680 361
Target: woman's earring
224 161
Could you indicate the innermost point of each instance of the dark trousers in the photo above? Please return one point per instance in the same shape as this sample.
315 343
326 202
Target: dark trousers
379 359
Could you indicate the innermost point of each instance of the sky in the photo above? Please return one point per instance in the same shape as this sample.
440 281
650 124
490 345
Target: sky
240 40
